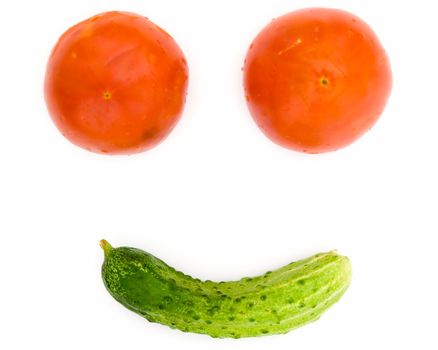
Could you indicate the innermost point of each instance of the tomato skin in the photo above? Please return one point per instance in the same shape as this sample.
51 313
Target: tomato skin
316 79
116 83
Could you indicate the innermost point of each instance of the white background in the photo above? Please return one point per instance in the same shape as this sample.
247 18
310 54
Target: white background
217 199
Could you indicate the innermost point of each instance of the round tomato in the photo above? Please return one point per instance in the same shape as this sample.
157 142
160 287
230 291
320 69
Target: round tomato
116 83
316 79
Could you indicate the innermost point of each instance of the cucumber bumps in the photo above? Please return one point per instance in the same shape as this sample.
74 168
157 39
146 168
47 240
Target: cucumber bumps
273 303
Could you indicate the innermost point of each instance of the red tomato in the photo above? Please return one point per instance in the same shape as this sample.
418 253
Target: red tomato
116 83
316 79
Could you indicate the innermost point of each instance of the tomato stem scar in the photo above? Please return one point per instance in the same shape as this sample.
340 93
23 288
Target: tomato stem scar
107 95
324 81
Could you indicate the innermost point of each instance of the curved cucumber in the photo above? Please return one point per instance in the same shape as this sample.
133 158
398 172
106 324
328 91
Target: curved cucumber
273 303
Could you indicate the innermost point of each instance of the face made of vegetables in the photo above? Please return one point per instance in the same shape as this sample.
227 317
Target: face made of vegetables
315 80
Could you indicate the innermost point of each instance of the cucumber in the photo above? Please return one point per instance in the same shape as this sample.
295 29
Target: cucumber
275 302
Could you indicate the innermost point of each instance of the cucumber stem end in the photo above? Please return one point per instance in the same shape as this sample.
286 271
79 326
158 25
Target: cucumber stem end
105 246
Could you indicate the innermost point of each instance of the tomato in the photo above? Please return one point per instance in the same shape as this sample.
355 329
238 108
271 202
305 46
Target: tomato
316 79
116 83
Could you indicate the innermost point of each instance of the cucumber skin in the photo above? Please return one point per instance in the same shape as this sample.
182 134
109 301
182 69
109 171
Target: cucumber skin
273 303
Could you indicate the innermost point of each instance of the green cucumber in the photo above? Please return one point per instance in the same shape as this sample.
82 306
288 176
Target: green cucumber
273 303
